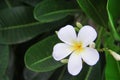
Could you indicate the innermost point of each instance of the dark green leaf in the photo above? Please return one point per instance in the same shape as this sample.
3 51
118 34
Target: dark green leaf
96 9
4 56
39 57
30 75
5 77
112 71
114 15
18 25
52 10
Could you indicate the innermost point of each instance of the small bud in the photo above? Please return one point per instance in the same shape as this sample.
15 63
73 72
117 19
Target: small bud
92 45
64 61
115 55
79 25
77 29
56 32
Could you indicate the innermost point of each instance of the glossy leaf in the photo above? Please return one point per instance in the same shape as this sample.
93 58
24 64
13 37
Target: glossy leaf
114 14
39 57
52 10
4 56
18 25
95 10
112 68
112 71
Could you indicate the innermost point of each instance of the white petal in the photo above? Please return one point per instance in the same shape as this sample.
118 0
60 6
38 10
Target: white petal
67 34
87 35
74 64
90 56
61 51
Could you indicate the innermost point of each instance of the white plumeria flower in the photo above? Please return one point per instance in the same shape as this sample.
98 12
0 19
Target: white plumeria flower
76 45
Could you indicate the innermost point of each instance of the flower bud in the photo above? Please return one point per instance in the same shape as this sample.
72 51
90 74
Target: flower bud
115 55
64 61
79 25
92 45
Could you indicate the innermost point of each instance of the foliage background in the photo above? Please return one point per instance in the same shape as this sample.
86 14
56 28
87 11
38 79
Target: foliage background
27 36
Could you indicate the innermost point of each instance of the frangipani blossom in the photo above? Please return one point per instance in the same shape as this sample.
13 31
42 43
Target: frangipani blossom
77 47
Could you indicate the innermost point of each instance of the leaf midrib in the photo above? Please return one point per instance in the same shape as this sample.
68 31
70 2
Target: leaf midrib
39 61
60 11
20 26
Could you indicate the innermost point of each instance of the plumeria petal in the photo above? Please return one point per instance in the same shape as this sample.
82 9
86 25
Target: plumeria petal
90 56
67 34
74 64
87 35
61 51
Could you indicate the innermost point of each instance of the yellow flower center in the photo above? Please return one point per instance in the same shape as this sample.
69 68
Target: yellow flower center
77 47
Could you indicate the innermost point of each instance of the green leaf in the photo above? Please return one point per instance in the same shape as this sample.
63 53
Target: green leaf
31 2
18 25
52 10
112 70
4 56
30 75
95 9
5 77
114 14
39 57
2 4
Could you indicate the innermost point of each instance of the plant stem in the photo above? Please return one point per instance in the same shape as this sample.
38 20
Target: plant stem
61 75
89 71
99 37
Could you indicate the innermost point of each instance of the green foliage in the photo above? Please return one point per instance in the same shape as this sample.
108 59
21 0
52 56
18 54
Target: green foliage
39 56
95 9
18 25
4 56
27 36
48 11
30 75
112 65
114 15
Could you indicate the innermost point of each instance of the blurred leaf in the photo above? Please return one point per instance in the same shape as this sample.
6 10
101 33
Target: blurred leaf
112 71
52 10
39 57
31 2
95 9
29 75
2 4
4 56
18 25
4 77
114 14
